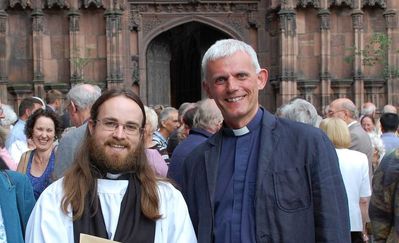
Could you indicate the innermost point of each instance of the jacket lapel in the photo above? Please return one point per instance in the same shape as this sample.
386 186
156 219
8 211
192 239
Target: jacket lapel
211 163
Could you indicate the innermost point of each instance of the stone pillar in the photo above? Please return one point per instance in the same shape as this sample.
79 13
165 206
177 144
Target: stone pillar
134 27
391 20
288 43
74 48
37 34
114 48
358 42
3 56
325 55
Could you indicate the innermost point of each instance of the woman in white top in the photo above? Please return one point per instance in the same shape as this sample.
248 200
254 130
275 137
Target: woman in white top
355 173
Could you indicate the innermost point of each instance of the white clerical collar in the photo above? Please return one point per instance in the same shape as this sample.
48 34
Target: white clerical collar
240 131
112 176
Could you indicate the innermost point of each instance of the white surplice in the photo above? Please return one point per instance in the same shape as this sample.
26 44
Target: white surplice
49 224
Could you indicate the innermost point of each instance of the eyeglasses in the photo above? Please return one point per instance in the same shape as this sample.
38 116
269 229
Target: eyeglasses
130 128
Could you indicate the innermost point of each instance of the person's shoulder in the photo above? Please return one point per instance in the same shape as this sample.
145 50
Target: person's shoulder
54 190
167 191
15 176
297 128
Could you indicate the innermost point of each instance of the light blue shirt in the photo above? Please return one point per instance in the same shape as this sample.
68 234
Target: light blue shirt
3 236
16 133
390 141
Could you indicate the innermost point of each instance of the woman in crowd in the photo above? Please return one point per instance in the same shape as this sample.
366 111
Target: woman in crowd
43 128
16 204
154 157
368 124
355 174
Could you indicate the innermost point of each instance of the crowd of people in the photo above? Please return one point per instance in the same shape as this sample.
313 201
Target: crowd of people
223 169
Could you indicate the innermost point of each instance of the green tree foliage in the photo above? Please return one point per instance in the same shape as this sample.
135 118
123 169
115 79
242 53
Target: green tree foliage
376 51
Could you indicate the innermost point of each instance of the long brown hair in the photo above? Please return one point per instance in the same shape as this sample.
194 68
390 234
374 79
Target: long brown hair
81 180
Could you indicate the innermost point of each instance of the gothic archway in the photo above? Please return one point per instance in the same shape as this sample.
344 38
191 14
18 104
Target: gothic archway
174 63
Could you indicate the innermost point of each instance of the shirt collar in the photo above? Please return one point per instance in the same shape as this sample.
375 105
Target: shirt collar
252 125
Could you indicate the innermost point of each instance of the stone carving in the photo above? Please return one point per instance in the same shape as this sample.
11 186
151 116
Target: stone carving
357 20
135 69
237 24
3 21
59 3
150 24
305 3
197 6
288 22
74 21
324 15
24 3
97 3
252 20
391 19
134 21
341 2
113 21
38 19
372 3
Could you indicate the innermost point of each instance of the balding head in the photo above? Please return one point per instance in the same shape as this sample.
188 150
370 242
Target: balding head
208 116
343 108
389 109
368 108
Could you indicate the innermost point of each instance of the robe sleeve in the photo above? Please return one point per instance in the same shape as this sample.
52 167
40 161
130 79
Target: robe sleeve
48 223
175 223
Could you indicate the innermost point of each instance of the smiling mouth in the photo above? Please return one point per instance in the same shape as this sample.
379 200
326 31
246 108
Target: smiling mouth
235 99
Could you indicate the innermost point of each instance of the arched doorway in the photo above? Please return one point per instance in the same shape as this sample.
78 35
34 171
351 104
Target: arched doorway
174 63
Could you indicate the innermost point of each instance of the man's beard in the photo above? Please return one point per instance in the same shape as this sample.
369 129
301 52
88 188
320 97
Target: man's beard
114 163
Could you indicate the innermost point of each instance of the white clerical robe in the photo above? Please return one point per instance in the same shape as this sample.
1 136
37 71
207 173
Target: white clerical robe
49 224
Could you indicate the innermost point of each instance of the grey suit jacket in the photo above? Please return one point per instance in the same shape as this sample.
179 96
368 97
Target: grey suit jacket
67 149
361 142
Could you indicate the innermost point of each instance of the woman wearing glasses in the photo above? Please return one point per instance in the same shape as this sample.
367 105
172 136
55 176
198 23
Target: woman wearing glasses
43 128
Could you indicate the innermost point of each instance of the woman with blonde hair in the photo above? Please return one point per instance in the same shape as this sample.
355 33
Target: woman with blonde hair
355 173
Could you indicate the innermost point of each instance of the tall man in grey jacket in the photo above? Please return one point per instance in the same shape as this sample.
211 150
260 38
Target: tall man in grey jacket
260 178
79 99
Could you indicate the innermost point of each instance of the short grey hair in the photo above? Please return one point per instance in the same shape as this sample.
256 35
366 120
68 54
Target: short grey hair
208 115
152 117
83 95
10 117
348 105
300 110
225 48
166 114
368 109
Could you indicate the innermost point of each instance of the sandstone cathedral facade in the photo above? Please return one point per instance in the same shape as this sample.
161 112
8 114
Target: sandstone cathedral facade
157 45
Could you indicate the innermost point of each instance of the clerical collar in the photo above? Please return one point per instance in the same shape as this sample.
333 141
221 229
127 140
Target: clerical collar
255 122
121 176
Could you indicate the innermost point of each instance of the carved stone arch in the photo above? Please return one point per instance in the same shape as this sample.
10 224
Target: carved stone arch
145 42
186 19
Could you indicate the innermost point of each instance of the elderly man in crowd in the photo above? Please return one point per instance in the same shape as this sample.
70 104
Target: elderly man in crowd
345 109
79 99
168 122
301 111
207 121
260 178
111 192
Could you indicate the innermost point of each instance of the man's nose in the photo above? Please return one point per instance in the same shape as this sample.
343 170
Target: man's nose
119 132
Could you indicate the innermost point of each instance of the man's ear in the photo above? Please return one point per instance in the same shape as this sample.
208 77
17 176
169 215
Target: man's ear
91 124
74 108
263 75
